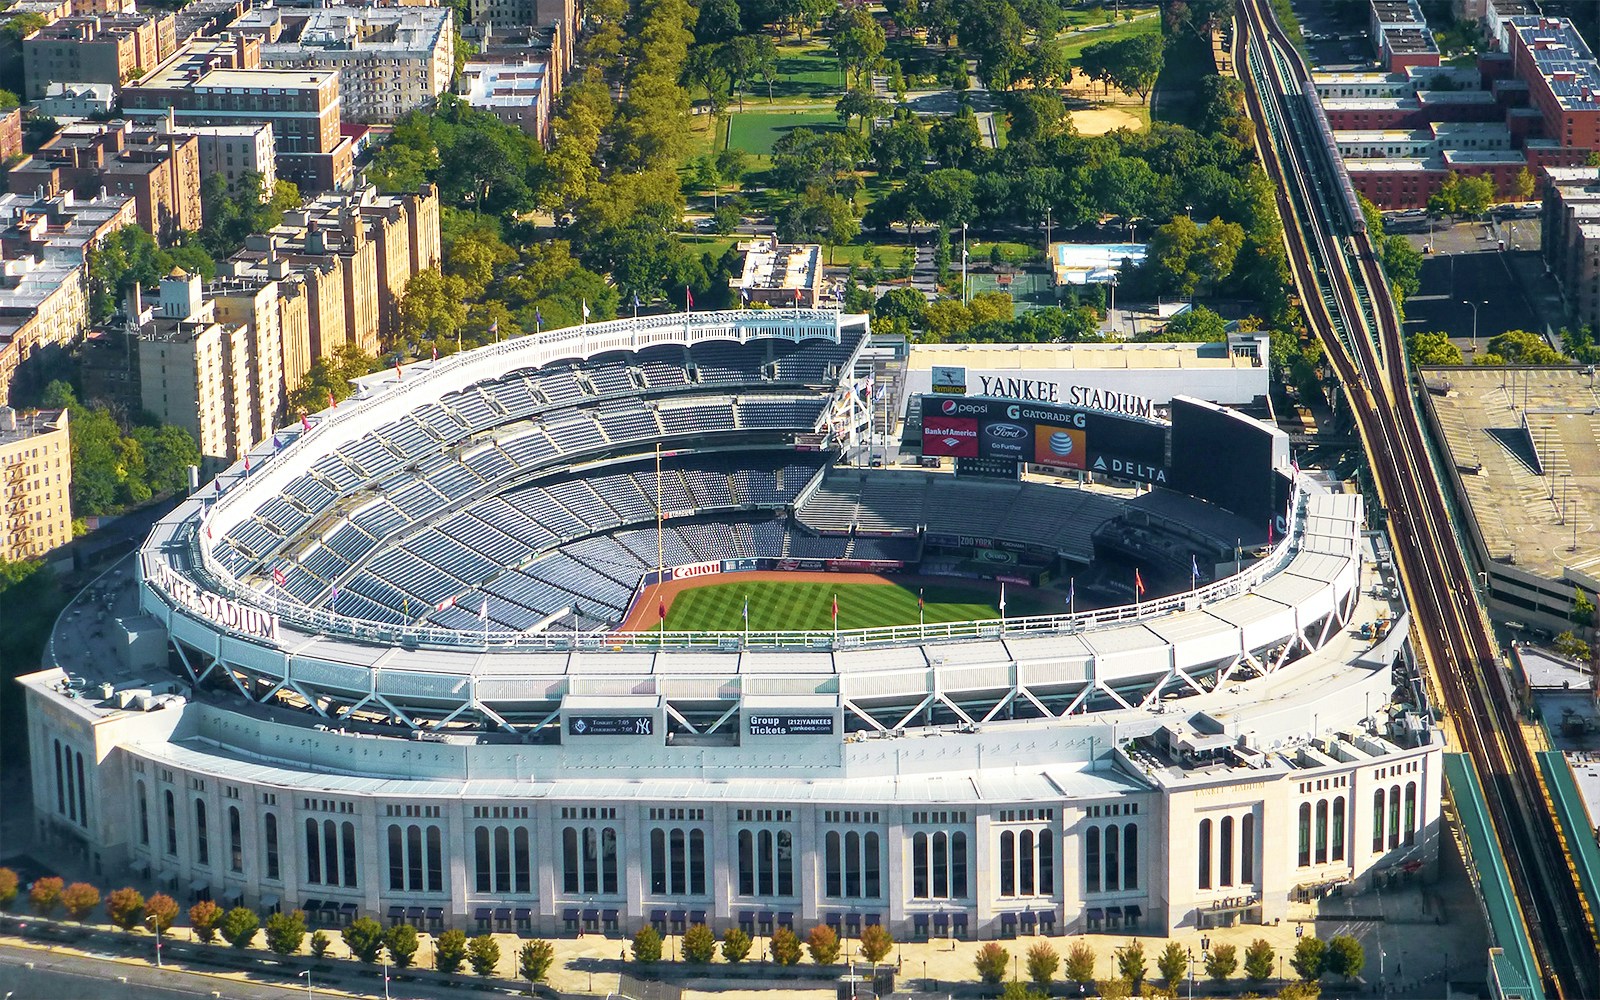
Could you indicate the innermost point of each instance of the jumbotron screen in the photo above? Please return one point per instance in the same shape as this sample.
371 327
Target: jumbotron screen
1055 436
1223 456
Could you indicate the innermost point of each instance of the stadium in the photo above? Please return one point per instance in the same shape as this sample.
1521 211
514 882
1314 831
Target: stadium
623 624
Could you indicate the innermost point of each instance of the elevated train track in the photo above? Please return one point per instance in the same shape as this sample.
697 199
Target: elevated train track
1348 303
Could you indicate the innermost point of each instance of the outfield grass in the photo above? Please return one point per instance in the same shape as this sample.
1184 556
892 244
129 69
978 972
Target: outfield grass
755 132
808 605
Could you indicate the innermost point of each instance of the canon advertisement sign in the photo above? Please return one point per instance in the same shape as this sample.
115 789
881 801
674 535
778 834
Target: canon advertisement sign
1056 436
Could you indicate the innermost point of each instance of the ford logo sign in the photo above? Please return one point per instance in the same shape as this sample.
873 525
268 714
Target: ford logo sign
1006 432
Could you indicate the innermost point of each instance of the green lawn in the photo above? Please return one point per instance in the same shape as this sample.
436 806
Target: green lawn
808 70
808 605
1073 43
756 131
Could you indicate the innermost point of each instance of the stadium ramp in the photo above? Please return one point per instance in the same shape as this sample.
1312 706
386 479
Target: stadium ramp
1515 973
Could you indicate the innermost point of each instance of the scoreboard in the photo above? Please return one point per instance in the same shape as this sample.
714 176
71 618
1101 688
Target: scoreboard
968 427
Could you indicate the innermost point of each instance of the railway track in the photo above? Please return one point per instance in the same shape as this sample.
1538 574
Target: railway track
1348 303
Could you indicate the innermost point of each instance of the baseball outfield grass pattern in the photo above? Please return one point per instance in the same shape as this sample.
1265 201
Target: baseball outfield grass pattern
808 606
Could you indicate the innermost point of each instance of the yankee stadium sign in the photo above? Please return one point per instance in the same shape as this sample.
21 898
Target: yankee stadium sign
1038 390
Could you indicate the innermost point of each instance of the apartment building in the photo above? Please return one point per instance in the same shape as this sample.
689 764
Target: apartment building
219 81
194 371
96 48
520 15
61 226
43 304
390 60
10 134
235 150
72 101
159 169
514 90
1570 238
35 483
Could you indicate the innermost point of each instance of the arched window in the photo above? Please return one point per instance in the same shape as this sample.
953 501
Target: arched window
764 863
852 865
872 867
1225 851
144 816
697 862
1247 849
1113 844
83 793
521 861
608 848
591 860
940 882
61 787
1091 859
414 858
1377 821
1025 855
397 861
785 863
270 821
658 861
747 863
958 865
1130 856
502 859
202 839
330 852
832 870
172 824
569 859
348 836
313 853
1205 854
235 841
1008 863
1411 813
919 866
1047 864
1305 834
1322 831
1338 828
435 860
679 872
1394 817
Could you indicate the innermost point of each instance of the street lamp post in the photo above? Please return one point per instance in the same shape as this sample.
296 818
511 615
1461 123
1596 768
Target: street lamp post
307 974
1191 973
1474 306
963 263
155 924
386 978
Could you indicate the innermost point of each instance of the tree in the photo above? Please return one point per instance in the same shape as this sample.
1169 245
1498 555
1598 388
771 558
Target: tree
718 21
320 943
1113 989
821 216
80 898
364 938
8 888
450 950
484 954
858 102
125 907
699 944
1130 65
1521 347
1309 955
1433 349
1016 990
1474 195
876 943
164 909
1042 965
1131 964
1221 962
204 917
286 932
823 944
1345 957
239 926
1173 964
735 945
647 946
45 895
955 141
785 947
534 961
858 42
991 961
1573 648
1258 959
401 940
1036 116
1080 963
1524 185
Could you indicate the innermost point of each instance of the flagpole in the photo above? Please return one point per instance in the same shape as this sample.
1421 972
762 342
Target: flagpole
1072 596
659 542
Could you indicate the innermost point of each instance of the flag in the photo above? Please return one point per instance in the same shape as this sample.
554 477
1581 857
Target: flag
586 310
494 328
797 296
333 593
747 611
436 354
1072 590
1294 467
333 404
277 442
1194 567
661 609
919 599
1269 523
483 612
208 531
835 610
538 318
247 462
446 603
744 295
1002 597
635 301
278 578
305 423
688 298
1138 584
